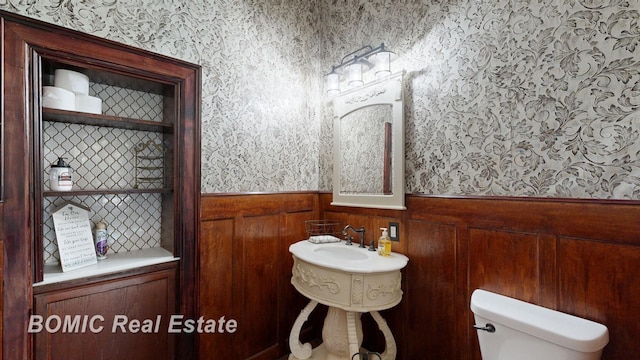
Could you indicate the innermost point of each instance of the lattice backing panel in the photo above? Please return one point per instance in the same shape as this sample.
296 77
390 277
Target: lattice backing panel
101 157
117 101
134 220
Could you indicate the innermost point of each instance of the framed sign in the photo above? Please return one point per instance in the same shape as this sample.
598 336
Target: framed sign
74 237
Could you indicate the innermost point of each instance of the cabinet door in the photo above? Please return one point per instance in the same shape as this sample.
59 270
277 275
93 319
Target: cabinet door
79 323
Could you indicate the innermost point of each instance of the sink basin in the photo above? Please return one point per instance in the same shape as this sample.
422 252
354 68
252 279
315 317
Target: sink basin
347 258
341 253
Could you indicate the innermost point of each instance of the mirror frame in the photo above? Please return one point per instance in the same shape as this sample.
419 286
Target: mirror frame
387 91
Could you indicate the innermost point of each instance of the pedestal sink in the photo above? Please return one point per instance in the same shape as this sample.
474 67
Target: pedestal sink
350 281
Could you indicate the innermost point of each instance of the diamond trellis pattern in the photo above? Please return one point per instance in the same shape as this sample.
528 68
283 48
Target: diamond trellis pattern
133 220
101 157
117 101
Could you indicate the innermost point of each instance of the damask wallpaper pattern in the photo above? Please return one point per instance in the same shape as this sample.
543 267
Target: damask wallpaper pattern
508 97
543 104
259 124
504 97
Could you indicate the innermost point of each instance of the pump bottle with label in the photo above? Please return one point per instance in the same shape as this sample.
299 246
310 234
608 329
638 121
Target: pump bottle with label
60 176
384 243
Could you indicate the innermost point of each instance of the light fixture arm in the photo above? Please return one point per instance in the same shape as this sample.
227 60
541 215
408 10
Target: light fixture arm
358 55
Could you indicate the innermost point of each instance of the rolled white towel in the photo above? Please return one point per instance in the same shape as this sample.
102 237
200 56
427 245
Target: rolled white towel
322 239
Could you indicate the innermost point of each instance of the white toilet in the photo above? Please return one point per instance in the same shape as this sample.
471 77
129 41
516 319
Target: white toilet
511 329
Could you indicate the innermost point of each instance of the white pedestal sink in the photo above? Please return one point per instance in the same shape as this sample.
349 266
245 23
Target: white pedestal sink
351 281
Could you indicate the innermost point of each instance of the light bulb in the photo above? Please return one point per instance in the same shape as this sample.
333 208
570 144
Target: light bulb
383 64
354 74
333 83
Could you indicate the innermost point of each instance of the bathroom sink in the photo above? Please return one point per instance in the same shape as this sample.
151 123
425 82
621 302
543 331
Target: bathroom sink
347 276
341 253
349 280
347 258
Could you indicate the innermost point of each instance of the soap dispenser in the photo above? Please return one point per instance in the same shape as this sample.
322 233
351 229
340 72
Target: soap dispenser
60 176
384 243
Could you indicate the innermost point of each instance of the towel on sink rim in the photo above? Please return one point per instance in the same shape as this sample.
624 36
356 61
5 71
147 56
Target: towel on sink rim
323 239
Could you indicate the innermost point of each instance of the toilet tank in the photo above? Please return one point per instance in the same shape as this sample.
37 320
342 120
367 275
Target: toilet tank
526 331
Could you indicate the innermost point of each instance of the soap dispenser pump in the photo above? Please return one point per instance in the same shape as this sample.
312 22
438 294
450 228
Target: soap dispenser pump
384 243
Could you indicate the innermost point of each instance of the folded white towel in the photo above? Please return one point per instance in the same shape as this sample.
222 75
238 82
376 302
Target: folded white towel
322 239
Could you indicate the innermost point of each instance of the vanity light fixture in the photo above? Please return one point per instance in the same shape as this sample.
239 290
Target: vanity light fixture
355 64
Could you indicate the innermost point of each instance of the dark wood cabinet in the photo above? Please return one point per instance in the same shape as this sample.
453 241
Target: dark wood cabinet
150 200
121 318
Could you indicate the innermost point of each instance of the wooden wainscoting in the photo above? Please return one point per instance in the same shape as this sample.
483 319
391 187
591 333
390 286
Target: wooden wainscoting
245 271
1 274
580 257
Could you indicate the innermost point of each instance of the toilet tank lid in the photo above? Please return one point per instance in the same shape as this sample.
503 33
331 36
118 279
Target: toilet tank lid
557 327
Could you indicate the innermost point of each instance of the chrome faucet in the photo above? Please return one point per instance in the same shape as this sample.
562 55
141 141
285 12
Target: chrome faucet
361 231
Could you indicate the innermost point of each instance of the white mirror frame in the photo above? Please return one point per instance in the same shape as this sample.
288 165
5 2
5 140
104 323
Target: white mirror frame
387 91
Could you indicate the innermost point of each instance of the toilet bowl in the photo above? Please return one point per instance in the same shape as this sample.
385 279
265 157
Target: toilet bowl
510 329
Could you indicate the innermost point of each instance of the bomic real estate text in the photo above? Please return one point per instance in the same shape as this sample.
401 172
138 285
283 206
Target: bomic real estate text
122 324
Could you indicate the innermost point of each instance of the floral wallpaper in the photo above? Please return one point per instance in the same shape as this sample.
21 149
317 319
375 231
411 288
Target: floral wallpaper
534 98
259 125
508 97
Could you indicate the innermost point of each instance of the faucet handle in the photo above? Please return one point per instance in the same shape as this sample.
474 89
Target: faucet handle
372 246
348 238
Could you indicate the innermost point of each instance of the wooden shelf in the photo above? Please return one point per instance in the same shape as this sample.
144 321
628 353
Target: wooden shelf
75 117
113 263
105 192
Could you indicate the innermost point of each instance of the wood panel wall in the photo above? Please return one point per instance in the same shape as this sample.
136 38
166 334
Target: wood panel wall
245 271
580 257
1 275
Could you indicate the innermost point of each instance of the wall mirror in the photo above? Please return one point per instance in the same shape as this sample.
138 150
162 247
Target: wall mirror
368 148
